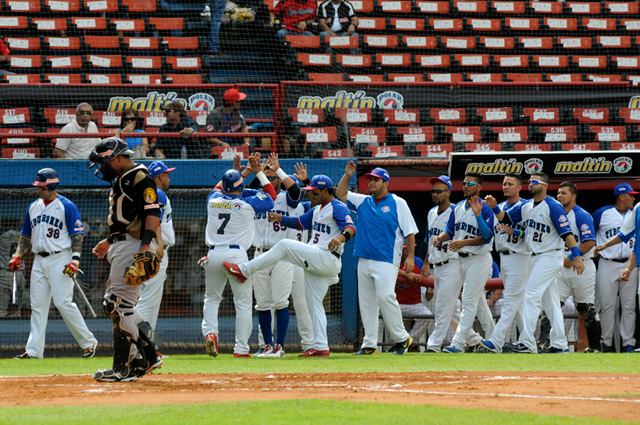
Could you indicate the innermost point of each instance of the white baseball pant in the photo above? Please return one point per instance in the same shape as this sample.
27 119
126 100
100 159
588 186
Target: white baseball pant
151 294
541 291
582 286
474 271
272 285
321 269
216 280
303 318
610 286
447 286
48 282
420 326
515 269
376 294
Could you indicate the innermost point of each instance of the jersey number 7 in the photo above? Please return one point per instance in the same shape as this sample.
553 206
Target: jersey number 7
225 220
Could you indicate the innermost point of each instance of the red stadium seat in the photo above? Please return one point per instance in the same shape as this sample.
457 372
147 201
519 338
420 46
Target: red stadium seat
448 116
101 6
545 43
407 24
511 7
541 115
464 43
532 147
303 41
485 78
89 23
575 42
23 6
21 136
445 78
624 8
561 24
573 147
591 115
491 115
363 6
184 78
59 116
381 41
102 42
470 6
372 24
511 134
416 134
142 43
625 146
385 151
184 63
442 24
483 147
354 115
564 78
104 78
320 134
337 153
137 6
50 24
511 61
634 79
614 41
433 61
590 8
440 150
63 5
17 44
360 61
145 79
104 61
345 42
606 133
463 134
21 78
481 24
559 133
404 78
368 134
153 119
393 59
200 116
502 43
472 60
590 61
180 43
626 62
551 61
108 118
145 62
14 23
518 24
401 116
315 59
63 43
13 116
525 78
128 25
630 24
63 78
166 24
439 7
547 7
630 115
395 6
306 116
599 24
315 76
365 77
26 61
419 42
604 78
65 62
20 153
230 152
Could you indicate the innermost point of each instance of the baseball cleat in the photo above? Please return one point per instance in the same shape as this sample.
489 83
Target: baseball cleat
607 349
268 349
627 349
489 346
402 347
278 351
89 352
315 353
23 356
110 375
257 353
554 350
517 348
234 271
591 350
365 351
452 350
431 351
212 345
241 356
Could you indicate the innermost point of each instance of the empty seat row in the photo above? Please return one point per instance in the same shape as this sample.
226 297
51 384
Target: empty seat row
84 23
84 6
116 43
99 61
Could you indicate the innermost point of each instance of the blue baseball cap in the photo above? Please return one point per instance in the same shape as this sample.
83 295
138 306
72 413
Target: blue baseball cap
158 167
320 181
624 188
380 173
444 179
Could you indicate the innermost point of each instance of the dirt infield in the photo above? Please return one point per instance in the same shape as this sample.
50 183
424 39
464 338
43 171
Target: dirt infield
609 396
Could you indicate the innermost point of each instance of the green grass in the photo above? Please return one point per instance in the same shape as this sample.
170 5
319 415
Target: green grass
344 362
280 412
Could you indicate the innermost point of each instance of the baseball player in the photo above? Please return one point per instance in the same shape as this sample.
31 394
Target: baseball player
470 231
53 231
272 285
230 230
583 287
515 265
385 222
134 217
331 226
545 226
151 292
614 255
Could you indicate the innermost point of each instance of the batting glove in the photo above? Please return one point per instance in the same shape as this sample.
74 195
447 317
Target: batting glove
72 268
203 262
14 264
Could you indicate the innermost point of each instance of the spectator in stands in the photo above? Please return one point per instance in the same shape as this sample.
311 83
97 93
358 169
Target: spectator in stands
5 61
78 147
184 147
217 12
131 121
337 17
296 17
228 119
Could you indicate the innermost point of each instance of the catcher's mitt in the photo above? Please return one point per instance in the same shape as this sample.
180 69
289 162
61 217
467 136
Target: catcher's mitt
145 266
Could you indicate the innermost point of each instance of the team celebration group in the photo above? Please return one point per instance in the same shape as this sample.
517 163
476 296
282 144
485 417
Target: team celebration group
546 246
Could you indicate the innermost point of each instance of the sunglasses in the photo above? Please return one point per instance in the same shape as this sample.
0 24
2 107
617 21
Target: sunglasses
129 119
535 182
84 113
470 184
438 191
272 178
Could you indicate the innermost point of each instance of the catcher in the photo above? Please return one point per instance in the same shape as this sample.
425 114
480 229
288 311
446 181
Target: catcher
134 219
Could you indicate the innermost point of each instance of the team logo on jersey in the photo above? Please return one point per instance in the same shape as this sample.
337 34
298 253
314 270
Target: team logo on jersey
237 207
385 209
78 225
348 219
622 164
585 229
150 195
201 102
562 218
533 165
390 100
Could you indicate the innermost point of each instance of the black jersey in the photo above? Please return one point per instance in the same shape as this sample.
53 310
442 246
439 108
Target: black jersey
133 197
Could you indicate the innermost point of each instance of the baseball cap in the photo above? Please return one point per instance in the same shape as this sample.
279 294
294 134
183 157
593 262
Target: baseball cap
379 172
174 105
444 179
159 167
233 95
320 181
624 188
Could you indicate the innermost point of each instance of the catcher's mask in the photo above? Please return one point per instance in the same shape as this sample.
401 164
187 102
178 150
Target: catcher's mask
104 152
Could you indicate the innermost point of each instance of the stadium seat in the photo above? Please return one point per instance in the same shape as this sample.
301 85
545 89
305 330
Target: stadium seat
144 78
145 62
87 23
502 43
20 153
62 43
381 41
19 44
484 24
564 78
634 79
372 24
556 133
543 115
484 78
184 79
337 153
111 42
561 24
463 134
319 134
59 116
401 116
303 41
624 8
393 59
345 42
316 76
200 116
630 24
629 115
547 7
363 6
153 119
184 63
626 62
471 60
65 62
419 42
551 61
104 78
316 59
368 134
532 147
137 6
511 7
590 61
25 62
21 136
306 116
354 115
456 43
63 5
445 78
499 114
511 61
439 7
21 78
230 152
142 43
442 24
598 24
22 6
416 134
395 6
385 151
166 24
614 41
180 43
606 133
14 23
15 116
525 78
101 6
433 61
568 42
365 77
624 146
511 134
448 115
63 78
407 24
440 150
483 147
545 43
522 24
104 61
128 25
576 147
590 8
107 118
470 6
404 78
362 61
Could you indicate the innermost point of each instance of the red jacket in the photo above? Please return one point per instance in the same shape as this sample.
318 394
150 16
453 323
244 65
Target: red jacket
408 294
292 11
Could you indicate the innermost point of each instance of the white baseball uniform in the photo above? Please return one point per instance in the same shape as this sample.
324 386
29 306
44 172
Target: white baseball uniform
321 266
229 233
50 227
544 223
515 266
613 260
151 292
475 266
383 225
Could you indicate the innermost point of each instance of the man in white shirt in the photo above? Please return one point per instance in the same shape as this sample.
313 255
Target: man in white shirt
78 147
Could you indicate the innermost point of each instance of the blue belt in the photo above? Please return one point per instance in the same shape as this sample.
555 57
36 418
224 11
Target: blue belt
230 247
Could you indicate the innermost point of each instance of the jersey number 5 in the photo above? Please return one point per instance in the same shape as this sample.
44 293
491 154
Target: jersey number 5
225 220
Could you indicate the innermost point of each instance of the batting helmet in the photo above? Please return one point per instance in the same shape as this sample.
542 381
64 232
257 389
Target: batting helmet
47 177
104 152
232 181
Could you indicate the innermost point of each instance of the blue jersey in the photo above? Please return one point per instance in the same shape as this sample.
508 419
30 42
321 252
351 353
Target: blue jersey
544 224
383 226
463 224
326 222
51 226
608 222
582 228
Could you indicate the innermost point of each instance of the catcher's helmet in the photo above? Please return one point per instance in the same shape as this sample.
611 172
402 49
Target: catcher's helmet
104 152
232 181
47 177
